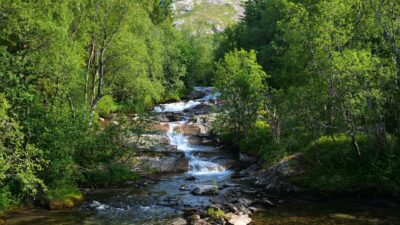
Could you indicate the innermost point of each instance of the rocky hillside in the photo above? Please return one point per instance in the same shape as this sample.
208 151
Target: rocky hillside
206 16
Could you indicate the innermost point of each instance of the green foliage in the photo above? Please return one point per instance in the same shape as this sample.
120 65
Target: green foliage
63 191
240 80
7 199
334 168
106 105
63 63
114 173
20 162
334 68
216 213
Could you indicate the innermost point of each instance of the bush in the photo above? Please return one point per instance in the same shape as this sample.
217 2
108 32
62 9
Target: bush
334 166
6 198
106 105
106 174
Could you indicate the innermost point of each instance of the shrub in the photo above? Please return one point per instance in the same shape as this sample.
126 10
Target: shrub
106 105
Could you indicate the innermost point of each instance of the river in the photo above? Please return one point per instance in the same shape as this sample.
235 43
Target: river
163 198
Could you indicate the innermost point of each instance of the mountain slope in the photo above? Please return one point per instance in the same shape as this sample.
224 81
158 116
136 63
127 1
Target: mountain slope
206 16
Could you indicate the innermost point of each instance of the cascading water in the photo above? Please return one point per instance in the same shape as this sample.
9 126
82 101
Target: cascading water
198 166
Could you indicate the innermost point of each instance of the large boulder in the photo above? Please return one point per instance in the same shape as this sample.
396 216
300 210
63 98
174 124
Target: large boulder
162 164
192 129
275 178
242 219
205 189
157 126
178 221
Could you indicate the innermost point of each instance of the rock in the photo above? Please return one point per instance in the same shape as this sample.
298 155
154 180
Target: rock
243 219
227 185
253 209
170 117
163 164
188 129
195 95
205 190
215 206
178 221
264 202
274 179
200 109
246 158
194 217
191 178
160 127
150 141
190 212
183 188
244 201
200 222
231 207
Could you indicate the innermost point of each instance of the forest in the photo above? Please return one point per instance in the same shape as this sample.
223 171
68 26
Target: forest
319 79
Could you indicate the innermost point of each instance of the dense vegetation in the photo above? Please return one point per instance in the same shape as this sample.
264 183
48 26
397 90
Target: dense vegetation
64 63
333 88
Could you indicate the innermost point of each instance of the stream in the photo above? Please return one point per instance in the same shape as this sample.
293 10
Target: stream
163 198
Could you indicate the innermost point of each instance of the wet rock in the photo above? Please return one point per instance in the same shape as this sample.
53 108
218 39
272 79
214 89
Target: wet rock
200 109
190 178
253 209
225 162
178 221
195 95
205 190
238 219
264 202
227 185
183 188
170 117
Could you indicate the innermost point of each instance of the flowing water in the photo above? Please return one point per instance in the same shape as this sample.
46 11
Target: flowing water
158 201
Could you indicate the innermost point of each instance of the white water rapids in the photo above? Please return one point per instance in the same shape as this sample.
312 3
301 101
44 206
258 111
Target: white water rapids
198 166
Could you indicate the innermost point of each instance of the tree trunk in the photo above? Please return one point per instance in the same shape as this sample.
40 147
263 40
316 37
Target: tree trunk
380 135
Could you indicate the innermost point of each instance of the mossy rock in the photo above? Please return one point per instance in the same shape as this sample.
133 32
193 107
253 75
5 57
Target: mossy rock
70 201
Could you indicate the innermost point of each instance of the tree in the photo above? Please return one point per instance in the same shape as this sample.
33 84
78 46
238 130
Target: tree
240 80
20 162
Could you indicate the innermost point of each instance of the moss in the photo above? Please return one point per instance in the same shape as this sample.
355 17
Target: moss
216 213
63 196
